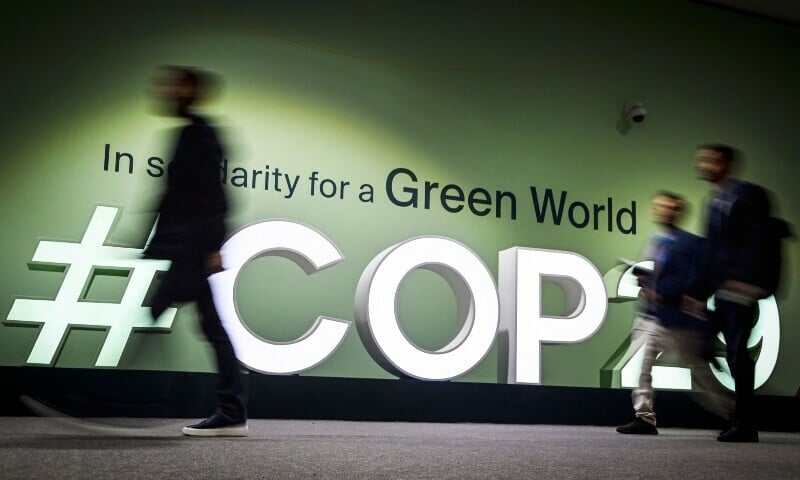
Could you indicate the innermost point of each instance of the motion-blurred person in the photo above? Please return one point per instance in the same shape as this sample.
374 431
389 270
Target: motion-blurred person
734 271
190 232
662 326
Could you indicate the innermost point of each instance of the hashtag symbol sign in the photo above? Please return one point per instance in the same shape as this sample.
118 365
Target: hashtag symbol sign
69 309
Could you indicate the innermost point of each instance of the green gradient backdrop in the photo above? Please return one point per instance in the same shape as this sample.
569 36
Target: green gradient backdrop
501 95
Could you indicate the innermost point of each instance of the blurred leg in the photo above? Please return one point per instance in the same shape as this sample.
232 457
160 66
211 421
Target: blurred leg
230 389
648 333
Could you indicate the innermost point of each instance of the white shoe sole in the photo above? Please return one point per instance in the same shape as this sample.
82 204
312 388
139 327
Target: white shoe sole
232 431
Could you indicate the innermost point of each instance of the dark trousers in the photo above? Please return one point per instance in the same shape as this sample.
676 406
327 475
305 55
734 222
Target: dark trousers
736 322
186 282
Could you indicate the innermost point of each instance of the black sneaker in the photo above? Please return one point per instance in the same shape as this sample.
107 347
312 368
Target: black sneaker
741 433
638 427
217 425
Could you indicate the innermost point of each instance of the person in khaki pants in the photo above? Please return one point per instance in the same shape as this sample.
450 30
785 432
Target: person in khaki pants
662 326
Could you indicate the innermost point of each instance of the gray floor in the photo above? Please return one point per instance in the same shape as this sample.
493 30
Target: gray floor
40 448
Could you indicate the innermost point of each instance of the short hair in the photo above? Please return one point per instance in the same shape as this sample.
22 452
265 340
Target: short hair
204 83
728 153
672 196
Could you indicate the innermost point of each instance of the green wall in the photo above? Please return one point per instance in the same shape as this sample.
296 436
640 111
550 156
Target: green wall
500 95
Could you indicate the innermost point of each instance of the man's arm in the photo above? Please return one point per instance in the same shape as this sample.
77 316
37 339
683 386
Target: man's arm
749 217
209 198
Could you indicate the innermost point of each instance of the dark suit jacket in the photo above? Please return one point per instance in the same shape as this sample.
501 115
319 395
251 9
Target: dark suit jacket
671 278
192 211
735 240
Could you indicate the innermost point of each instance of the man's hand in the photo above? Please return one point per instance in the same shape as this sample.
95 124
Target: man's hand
694 307
745 289
652 296
213 263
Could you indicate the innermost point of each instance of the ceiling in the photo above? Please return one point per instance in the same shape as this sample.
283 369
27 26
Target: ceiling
787 11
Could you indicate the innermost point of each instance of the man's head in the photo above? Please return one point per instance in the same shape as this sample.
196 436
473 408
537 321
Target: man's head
179 89
667 208
714 162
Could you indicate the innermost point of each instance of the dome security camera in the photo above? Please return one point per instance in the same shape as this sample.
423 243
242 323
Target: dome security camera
635 112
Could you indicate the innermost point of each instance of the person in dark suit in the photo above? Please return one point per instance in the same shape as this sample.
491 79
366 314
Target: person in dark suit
190 232
733 271
663 326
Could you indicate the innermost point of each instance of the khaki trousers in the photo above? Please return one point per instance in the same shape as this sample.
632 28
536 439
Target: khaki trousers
687 345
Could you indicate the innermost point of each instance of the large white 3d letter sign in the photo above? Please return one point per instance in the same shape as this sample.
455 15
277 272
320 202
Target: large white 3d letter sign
476 298
312 251
522 271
